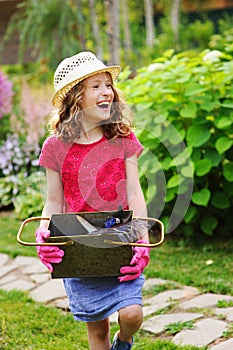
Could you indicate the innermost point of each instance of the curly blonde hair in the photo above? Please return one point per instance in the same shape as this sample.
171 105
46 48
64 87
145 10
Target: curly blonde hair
66 123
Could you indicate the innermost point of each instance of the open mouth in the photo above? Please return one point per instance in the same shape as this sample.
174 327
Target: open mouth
103 105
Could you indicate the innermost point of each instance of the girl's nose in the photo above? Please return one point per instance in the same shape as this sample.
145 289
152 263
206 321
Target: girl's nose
105 90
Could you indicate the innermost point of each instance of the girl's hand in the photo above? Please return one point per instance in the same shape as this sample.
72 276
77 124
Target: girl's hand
47 254
140 260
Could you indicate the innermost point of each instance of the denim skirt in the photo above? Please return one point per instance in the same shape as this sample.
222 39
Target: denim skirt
96 298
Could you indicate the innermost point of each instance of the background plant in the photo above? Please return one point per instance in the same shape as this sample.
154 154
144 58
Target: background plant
194 95
56 29
20 146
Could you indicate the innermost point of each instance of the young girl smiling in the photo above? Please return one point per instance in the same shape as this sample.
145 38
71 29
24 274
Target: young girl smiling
91 165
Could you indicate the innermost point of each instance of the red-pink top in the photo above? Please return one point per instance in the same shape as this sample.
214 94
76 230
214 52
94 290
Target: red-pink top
93 175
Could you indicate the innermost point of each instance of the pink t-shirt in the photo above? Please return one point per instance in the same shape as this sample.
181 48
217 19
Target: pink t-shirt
93 175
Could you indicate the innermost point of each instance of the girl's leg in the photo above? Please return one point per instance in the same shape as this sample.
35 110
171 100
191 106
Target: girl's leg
130 320
99 335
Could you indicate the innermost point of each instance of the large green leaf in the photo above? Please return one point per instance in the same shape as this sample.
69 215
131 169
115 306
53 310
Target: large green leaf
181 158
170 195
223 123
194 89
223 144
190 214
228 171
173 181
189 111
214 156
208 223
207 103
203 166
201 197
187 171
197 135
227 104
220 200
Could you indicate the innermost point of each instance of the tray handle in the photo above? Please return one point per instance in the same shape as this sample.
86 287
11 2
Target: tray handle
35 244
39 218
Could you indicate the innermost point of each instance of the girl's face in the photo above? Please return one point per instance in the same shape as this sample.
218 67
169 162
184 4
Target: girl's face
97 97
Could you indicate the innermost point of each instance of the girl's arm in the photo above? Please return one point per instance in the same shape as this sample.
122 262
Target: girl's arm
54 200
136 200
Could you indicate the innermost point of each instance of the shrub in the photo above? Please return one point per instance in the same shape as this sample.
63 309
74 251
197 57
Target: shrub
180 100
18 177
26 194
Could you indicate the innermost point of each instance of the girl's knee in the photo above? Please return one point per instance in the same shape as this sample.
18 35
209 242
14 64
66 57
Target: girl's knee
131 315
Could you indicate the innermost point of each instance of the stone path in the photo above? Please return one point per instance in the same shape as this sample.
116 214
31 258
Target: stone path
181 304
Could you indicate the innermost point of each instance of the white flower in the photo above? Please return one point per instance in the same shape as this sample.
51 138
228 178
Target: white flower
212 56
155 66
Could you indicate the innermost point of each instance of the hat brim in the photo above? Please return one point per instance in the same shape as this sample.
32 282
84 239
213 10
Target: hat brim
60 94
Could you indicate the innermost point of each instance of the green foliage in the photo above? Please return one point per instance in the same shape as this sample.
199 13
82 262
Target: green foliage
184 113
177 327
192 36
52 29
229 332
25 193
225 303
25 324
55 29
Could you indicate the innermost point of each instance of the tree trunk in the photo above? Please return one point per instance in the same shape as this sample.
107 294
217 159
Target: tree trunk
95 30
127 33
175 11
149 19
112 10
81 25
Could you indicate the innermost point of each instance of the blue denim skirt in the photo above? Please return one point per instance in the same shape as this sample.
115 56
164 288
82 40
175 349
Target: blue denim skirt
96 298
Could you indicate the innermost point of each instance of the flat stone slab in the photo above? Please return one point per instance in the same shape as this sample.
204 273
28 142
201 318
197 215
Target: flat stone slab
157 324
225 345
35 268
3 259
19 285
62 304
114 317
49 291
7 279
4 270
151 282
162 300
25 261
151 309
204 332
40 278
190 292
227 312
205 301
167 296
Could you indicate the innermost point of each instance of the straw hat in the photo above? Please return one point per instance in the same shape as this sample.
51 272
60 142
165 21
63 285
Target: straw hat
74 69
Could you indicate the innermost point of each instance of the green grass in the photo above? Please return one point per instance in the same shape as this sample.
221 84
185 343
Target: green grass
27 325
206 267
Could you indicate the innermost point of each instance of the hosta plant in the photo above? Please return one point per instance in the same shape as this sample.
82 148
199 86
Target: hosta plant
183 111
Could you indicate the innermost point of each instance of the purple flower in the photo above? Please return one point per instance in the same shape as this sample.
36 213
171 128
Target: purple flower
17 156
6 94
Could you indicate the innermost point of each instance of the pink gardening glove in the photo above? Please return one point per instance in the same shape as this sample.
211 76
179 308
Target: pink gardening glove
47 254
138 263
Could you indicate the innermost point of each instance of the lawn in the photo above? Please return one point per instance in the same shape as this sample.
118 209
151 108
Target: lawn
27 325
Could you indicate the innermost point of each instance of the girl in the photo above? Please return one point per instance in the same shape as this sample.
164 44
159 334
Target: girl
91 165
